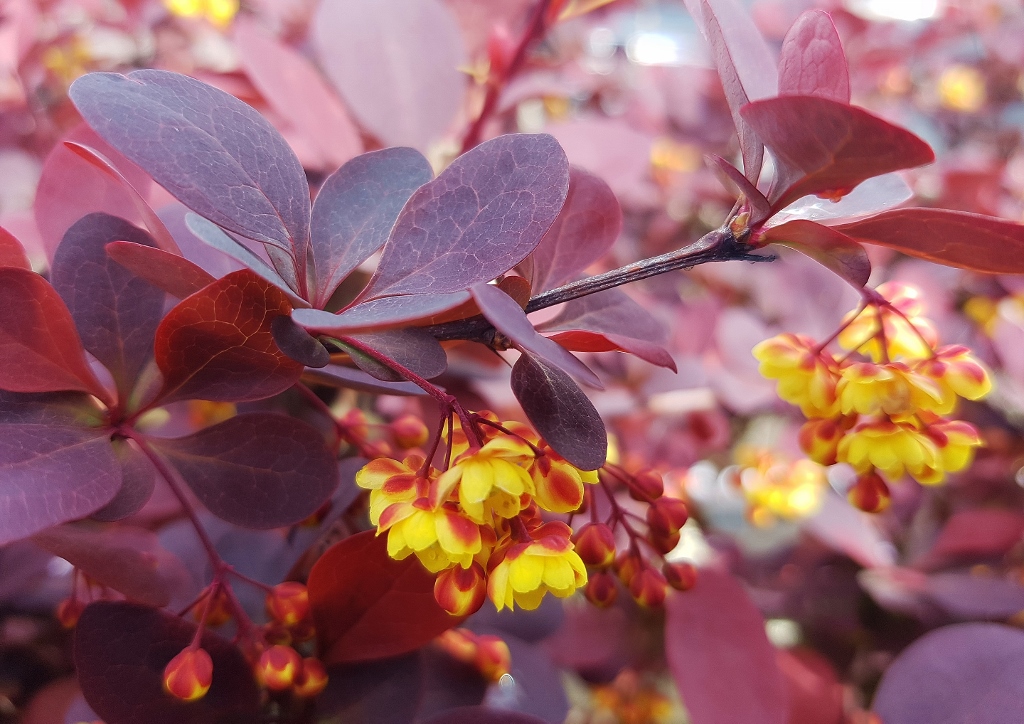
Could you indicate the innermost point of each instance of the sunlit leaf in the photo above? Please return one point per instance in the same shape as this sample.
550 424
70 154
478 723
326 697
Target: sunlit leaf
812 61
736 182
827 246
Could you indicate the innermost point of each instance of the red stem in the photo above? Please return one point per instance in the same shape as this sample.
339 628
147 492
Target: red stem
342 431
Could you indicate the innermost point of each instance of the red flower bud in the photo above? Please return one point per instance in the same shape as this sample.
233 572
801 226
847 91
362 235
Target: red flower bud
217 612
68 612
493 659
277 667
189 674
870 493
601 589
311 680
461 591
663 543
647 484
409 431
648 587
595 545
288 603
501 46
355 422
666 516
627 565
681 576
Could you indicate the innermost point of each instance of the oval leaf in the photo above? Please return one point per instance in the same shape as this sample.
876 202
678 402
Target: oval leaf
256 470
338 376
378 314
720 657
298 344
479 218
812 61
174 274
412 348
560 412
355 210
115 311
52 467
217 344
214 153
832 249
367 605
121 650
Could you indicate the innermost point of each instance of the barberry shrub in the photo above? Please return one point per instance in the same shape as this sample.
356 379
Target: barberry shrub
217 364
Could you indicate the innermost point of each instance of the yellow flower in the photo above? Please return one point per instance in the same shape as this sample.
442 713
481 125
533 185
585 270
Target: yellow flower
957 372
390 481
956 441
894 448
218 12
894 389
533 568
440 538
494 478
806 377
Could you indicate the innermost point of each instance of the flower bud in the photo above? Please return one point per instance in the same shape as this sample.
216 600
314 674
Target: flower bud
213 613
189 674
664 544
601 589
595 544
68 612
627 565
311 680
277 667
493 659
681 576
276 632
666 516
354 421
648 587
409 431
288 603
647 484
461 591
870 493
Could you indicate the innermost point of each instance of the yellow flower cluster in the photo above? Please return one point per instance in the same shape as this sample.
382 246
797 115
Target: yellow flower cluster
777 488
885 411
477 524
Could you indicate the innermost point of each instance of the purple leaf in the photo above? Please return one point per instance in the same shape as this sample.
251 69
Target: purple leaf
121 650
52 467
832 249
560 412
378 314
745 65
214 153
583 232
174 274
835 146
338 376
256 470
373 692
616 318
969 597
479 218
138 479
295 89
298 344
482 715
719 655
396 63
412 348
355 210
116 312
736 182
964 673
128 560
39 346
812 61
510 320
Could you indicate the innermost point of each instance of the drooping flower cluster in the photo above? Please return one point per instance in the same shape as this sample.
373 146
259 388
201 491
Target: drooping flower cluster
477 524
883 406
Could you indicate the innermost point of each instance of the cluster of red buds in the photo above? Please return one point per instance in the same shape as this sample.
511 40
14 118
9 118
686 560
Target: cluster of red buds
486 653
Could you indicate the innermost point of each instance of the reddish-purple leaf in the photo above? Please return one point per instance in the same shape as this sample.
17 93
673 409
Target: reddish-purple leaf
138 479
116 313
355 210
382 313
128 560
953 238
964 673
39 346
479 218
835 146
509 319
482 715
396 64
720 657
298 344
969 597
12 253
832 249
256 470
978 533
616 318
174 274
217 344
812 61
560 411
367 605
52 467
373 692
121 650
347 377
294 88
745 65
736 182
412 348
537 683
213 152
583 232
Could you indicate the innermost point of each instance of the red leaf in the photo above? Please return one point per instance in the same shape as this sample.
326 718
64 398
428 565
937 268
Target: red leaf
835 146
830 248
586 341
175 274
369 606
738 184
720 657
12 253
217 344
953 238
815 693
812 61
978 533
40 350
